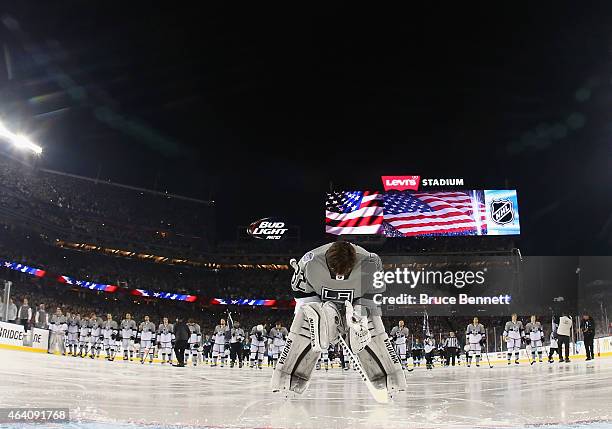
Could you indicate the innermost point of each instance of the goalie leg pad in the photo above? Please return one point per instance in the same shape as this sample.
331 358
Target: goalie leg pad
314 327
379 359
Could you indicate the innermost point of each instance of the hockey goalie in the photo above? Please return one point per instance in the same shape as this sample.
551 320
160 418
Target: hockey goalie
333 288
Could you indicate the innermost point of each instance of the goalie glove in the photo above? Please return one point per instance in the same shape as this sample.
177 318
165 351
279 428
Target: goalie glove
359 334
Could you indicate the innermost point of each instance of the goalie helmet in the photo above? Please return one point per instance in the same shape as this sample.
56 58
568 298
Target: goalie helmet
259 328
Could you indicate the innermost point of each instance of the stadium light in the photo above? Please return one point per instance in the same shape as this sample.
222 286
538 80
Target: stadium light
19 141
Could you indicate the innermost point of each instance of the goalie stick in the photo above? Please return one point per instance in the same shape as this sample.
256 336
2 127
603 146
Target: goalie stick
380 395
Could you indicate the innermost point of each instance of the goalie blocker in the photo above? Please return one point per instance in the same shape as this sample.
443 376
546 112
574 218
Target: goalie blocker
317 325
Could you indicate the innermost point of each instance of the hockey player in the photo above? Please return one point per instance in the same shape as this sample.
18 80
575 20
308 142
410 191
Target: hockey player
146 339
84 336
258 345
95 336
128 335
278 334
220 334
399 334
534 334
72 339
236 340
329 279
195 340
475 337
513 333
554 345
430 348
110 335
58 328
165 339
417 352
207 345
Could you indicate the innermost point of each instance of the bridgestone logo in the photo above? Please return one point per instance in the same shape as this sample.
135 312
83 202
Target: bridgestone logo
285 352
391 351
10 334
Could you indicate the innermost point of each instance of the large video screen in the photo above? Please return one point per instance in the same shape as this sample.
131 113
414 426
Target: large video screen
422 214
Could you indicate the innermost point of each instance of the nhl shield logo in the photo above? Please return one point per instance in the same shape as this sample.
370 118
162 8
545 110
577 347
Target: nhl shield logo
502 211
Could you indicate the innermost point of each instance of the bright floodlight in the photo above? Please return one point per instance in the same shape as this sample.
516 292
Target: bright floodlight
19 141
22 142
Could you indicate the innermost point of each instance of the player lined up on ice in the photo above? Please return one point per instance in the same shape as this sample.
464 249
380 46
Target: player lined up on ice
532 335
475 339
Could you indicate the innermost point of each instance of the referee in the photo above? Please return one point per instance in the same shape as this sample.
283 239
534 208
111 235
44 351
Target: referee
451 347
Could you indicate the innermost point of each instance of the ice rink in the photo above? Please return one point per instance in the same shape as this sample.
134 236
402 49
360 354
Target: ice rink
120 394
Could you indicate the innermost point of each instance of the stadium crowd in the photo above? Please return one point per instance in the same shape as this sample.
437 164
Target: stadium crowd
102 212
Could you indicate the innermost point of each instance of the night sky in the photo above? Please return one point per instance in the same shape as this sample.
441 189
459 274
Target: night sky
264 108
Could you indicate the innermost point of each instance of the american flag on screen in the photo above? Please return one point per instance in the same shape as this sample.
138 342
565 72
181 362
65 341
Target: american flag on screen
408 214
354 212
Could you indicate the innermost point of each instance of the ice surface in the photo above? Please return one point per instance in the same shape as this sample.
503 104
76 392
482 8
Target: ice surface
118 394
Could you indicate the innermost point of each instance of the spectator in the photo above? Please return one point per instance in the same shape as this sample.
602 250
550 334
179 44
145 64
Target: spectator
25 314
41 318
588 330
12 312
564 330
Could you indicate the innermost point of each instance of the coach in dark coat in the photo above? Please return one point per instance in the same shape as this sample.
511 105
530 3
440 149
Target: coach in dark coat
181 340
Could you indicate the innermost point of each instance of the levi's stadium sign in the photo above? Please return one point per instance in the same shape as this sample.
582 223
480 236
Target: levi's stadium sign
268 228
412 183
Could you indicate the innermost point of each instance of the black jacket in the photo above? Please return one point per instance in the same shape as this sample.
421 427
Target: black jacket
588 327
181 332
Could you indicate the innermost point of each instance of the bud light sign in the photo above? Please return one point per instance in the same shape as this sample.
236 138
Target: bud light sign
268 228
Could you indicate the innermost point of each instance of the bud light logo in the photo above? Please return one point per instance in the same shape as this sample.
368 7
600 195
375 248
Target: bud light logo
267 229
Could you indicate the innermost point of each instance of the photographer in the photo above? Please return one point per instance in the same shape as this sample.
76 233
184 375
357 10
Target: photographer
564 331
